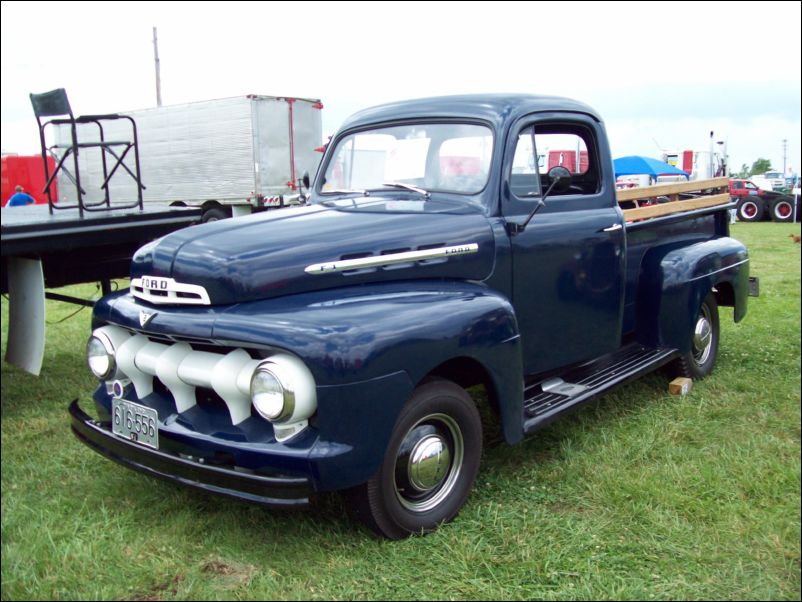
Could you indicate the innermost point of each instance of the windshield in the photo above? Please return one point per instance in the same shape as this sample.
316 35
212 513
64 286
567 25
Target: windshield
443 157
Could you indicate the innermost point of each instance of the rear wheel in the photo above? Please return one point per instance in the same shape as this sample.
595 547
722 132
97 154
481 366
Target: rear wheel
214 214
750 210
701 359
429 466
782 210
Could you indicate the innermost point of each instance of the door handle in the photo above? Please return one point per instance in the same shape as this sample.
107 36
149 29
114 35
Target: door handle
613 228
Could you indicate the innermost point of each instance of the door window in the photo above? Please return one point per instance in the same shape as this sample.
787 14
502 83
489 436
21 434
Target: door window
545 146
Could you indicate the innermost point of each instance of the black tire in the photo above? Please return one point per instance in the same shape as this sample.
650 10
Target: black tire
701 359
214 214
429 466
782 209
750 209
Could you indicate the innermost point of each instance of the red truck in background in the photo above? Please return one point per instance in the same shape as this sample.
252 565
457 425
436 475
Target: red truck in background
567 158
755 204
25 171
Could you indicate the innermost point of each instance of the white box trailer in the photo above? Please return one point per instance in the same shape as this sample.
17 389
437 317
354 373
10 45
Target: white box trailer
230 155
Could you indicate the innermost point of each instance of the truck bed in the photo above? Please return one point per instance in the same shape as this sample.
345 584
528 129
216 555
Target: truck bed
696 212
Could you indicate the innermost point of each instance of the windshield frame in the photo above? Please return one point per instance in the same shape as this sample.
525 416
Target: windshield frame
335 142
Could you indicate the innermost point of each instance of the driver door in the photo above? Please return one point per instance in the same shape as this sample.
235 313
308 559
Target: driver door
568 264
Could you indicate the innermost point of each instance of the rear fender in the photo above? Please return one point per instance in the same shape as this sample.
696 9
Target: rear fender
675 281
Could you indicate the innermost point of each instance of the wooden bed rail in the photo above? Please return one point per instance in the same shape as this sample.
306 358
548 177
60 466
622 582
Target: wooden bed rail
698 194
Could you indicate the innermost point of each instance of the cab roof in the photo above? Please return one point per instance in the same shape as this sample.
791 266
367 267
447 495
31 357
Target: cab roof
498 109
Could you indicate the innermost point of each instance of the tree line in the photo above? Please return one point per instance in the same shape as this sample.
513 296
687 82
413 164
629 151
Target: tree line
760 166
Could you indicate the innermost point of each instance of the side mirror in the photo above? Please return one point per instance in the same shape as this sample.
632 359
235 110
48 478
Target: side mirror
305 180
560 179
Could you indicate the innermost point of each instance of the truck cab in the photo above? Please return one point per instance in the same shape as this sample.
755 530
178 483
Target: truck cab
742 188
329 347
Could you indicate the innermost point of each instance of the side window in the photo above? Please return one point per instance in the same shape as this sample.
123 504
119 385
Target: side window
544 146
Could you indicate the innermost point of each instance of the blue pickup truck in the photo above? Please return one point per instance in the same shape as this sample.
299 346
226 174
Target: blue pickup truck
446 243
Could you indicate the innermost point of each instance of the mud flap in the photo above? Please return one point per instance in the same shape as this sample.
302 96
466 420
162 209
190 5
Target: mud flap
26 314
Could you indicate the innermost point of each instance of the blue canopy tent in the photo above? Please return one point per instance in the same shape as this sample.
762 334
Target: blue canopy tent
635 164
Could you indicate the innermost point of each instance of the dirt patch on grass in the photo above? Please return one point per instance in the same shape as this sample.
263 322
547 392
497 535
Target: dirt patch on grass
168 587
232 571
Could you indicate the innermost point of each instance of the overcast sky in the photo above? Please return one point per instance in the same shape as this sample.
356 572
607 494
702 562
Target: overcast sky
662 75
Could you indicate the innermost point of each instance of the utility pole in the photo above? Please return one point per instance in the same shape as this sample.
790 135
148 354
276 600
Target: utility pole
158 72
785 154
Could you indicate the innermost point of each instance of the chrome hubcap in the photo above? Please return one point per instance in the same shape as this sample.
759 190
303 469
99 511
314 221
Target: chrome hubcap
428 463
702 337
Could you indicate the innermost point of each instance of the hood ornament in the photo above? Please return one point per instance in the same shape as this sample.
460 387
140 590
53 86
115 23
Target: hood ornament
145 318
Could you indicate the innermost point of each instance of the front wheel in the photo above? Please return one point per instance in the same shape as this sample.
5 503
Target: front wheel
429 466
750 210
701 359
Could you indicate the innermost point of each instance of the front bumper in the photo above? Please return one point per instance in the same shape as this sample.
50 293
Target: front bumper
275 491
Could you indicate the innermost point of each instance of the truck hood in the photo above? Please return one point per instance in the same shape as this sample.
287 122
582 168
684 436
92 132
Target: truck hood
312 248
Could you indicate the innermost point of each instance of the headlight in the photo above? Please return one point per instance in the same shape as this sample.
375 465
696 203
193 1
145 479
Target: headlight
273 399
101 351
100 355
283 392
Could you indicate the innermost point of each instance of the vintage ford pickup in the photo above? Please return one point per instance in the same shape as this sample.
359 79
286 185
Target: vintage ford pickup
447 243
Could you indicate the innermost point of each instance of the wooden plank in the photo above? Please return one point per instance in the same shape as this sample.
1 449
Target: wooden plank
674 188
631 215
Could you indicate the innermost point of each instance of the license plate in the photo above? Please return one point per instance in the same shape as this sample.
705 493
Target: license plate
135 422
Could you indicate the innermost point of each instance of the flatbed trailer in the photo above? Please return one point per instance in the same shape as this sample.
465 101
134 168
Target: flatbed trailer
42 250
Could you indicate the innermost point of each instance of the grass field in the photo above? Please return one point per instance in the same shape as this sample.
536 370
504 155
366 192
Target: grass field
640 495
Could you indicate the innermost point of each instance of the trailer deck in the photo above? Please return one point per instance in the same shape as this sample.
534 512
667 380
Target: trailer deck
42 250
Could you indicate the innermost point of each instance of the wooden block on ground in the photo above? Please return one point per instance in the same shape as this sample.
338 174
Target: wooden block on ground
680 386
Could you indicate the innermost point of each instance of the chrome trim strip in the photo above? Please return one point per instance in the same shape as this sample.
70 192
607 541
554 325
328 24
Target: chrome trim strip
724 269
147 285
376 261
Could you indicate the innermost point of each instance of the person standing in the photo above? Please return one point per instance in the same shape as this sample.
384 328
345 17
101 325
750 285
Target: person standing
20 198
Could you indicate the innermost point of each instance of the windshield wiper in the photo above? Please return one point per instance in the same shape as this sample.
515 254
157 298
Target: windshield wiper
407 187
346 191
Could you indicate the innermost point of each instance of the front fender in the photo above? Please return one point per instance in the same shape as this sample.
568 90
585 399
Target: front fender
364 333
368 347
674 282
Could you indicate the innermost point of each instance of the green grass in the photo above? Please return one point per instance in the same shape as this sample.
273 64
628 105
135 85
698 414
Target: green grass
640 495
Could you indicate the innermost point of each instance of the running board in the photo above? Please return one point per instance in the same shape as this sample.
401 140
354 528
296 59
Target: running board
545 400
